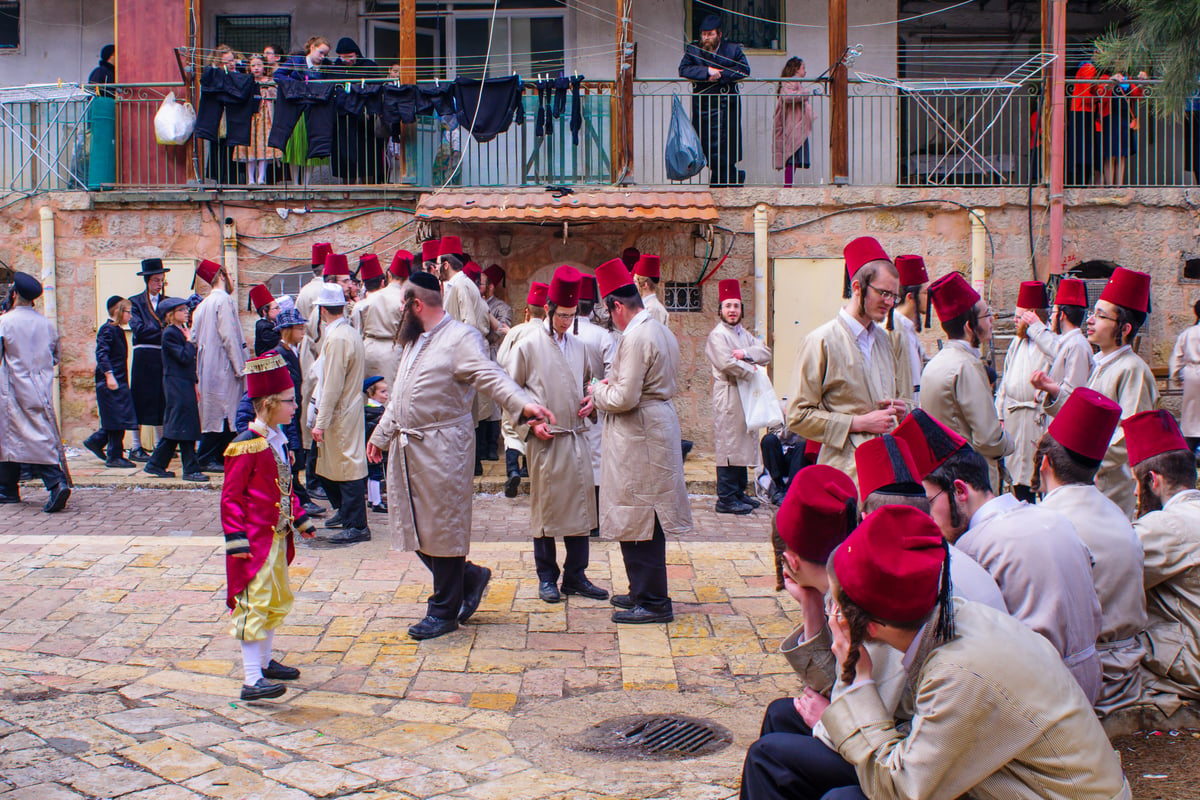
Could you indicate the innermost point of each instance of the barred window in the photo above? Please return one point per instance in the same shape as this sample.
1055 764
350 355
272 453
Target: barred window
754 24
251 33
682 296
10 25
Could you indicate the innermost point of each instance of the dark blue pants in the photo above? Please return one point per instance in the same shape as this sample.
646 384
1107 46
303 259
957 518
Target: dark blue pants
788 762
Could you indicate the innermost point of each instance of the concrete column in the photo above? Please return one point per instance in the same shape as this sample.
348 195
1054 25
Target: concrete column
761 303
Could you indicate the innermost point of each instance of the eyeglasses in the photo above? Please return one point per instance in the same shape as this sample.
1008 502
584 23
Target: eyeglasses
936 496
1095 314
891 297
561 317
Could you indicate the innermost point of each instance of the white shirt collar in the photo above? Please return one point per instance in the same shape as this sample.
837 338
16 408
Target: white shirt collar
910 655
274 436
856 327
999 504
963 344
339 321
1184 496
638 319
1099 359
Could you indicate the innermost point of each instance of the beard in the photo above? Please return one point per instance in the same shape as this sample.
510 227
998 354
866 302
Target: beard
1147 500
712 48
411 327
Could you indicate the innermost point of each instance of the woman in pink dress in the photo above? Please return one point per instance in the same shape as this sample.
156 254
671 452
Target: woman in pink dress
793 121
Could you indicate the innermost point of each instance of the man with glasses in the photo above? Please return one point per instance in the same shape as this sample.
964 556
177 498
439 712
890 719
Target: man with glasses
954 387
848 386
1118 373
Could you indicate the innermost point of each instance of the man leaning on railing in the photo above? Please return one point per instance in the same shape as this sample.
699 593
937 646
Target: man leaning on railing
715 66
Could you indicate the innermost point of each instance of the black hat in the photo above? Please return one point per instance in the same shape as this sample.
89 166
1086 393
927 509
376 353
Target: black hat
27 286
712 22
169 304
152 266
426 281
112 302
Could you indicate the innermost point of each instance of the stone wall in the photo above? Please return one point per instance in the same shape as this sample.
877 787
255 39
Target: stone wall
1142 229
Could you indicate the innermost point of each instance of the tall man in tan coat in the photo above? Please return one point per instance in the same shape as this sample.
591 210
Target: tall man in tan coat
377 316
1017 402
220 359
340 427
734 355
904 325
1063 341
309 350
646 274
514 444
847 387
553 366
642 491
426 429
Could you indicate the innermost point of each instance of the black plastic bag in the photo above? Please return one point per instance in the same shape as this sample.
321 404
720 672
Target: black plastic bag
684 155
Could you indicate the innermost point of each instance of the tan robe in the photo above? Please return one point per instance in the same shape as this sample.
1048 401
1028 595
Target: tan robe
429 433
1126 380
734 446
1171 543
29 351
642 463
1117 575
562 498
658 312
343 454
981 726
464 303
309 349
377 318
833 385
1070 354
955 391
1185 371
508 428
220 360
601 343
1020 409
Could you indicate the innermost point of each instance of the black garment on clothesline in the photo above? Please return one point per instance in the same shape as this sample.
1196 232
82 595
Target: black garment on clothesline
487 108
315 101
234 94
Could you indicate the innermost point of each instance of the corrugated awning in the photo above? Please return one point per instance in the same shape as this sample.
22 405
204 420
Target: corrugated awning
582 205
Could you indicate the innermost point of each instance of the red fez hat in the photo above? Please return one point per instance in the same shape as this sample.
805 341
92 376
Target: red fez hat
336 264
473 271
929 441
1032 295
260 296
451 246
430 248
951 295
1085 424
912 270
368 267
891 566
267 375
1129 289
729 289
587 288
1071 292
564 287
401 264
812 449
630 256
537 294
818 512
1151 433
319 251
886 462
495 275
648 267
860 251
611 276
207 270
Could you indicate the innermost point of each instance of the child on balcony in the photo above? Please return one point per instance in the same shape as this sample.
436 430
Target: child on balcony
793 120
257 155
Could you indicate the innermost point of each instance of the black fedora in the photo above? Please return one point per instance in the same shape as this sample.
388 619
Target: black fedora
152 266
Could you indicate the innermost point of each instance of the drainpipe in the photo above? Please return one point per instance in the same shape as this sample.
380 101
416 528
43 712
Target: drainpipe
1058 98
978 251
49 287
230 254
760 271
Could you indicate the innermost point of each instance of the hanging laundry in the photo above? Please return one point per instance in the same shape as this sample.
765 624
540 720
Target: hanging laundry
315 102
576 109
233 94
487 108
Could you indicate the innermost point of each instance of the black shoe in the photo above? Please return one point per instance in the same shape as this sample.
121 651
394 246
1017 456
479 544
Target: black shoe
478 468
119 463
263 690
335 521
432 627
621 601
491 455
7 498
686 445
472 599
548 592
213 467
750 501
195 477
379 508
594 533
733 507
585 588
351 536
58 498
778 496
280 672
524 473
97 448
313 510
640 616
139 455
157 472
318 494
512 484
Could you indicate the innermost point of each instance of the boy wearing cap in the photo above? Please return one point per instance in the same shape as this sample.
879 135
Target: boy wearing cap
1017 402
734 354
113 399
514 445
376 390
1118 373
1067 459
904 324
181 422
848 388
290 326
146 364
220 359
647 272
267 308
1169 530
1063 341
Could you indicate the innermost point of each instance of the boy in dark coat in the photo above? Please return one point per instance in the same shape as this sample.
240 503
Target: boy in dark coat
113 398
181 423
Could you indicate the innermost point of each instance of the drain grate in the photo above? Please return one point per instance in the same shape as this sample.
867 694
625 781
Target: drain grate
656 737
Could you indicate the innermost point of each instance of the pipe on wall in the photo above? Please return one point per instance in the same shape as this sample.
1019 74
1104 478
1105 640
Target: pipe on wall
49 293
979 251
760 271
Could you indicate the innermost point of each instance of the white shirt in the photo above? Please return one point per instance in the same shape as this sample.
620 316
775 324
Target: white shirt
274 436
862 335
561 341
997 505
916 354
1099 359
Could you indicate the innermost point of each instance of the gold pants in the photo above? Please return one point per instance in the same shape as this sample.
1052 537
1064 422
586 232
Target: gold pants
263 604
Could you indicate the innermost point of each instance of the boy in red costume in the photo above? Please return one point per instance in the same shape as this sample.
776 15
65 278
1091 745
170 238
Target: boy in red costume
259 514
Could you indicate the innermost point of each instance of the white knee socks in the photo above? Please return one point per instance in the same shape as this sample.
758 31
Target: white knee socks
373 494
252 661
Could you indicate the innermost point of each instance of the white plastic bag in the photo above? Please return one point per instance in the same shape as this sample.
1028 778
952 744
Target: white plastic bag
684 154
174 121
759 403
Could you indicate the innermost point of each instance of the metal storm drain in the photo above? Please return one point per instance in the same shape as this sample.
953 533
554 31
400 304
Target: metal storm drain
656 737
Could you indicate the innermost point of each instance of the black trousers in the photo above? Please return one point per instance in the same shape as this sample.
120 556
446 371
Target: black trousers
212 446
453 576
10 477
788 762
731 483
782 467
545 559
164 451
646 568
349 498
297 484
512 462
311 479
114 442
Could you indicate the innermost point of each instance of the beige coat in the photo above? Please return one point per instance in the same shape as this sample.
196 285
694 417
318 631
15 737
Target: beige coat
1185 371
309 350
1117 575
1126 380
562 497
981 726
1020 409
220 360
642 463
29 351
429 433
956 392
464 303
343 454
833 385
602 344
658 312
508 428
377 318
1070 354
1171 544
733 444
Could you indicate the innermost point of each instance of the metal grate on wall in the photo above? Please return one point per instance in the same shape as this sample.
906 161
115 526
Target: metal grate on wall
251 33
682 296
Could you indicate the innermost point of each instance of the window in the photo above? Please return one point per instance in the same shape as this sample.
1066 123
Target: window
682 296
248 34
754 24
10 25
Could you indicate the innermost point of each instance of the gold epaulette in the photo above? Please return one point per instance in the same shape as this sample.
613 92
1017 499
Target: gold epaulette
248 447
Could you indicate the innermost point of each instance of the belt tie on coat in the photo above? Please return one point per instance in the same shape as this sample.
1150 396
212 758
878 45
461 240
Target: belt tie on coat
1117 644
1075 659
419 433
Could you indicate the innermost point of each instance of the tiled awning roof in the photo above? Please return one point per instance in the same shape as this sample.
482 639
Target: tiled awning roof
582 205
